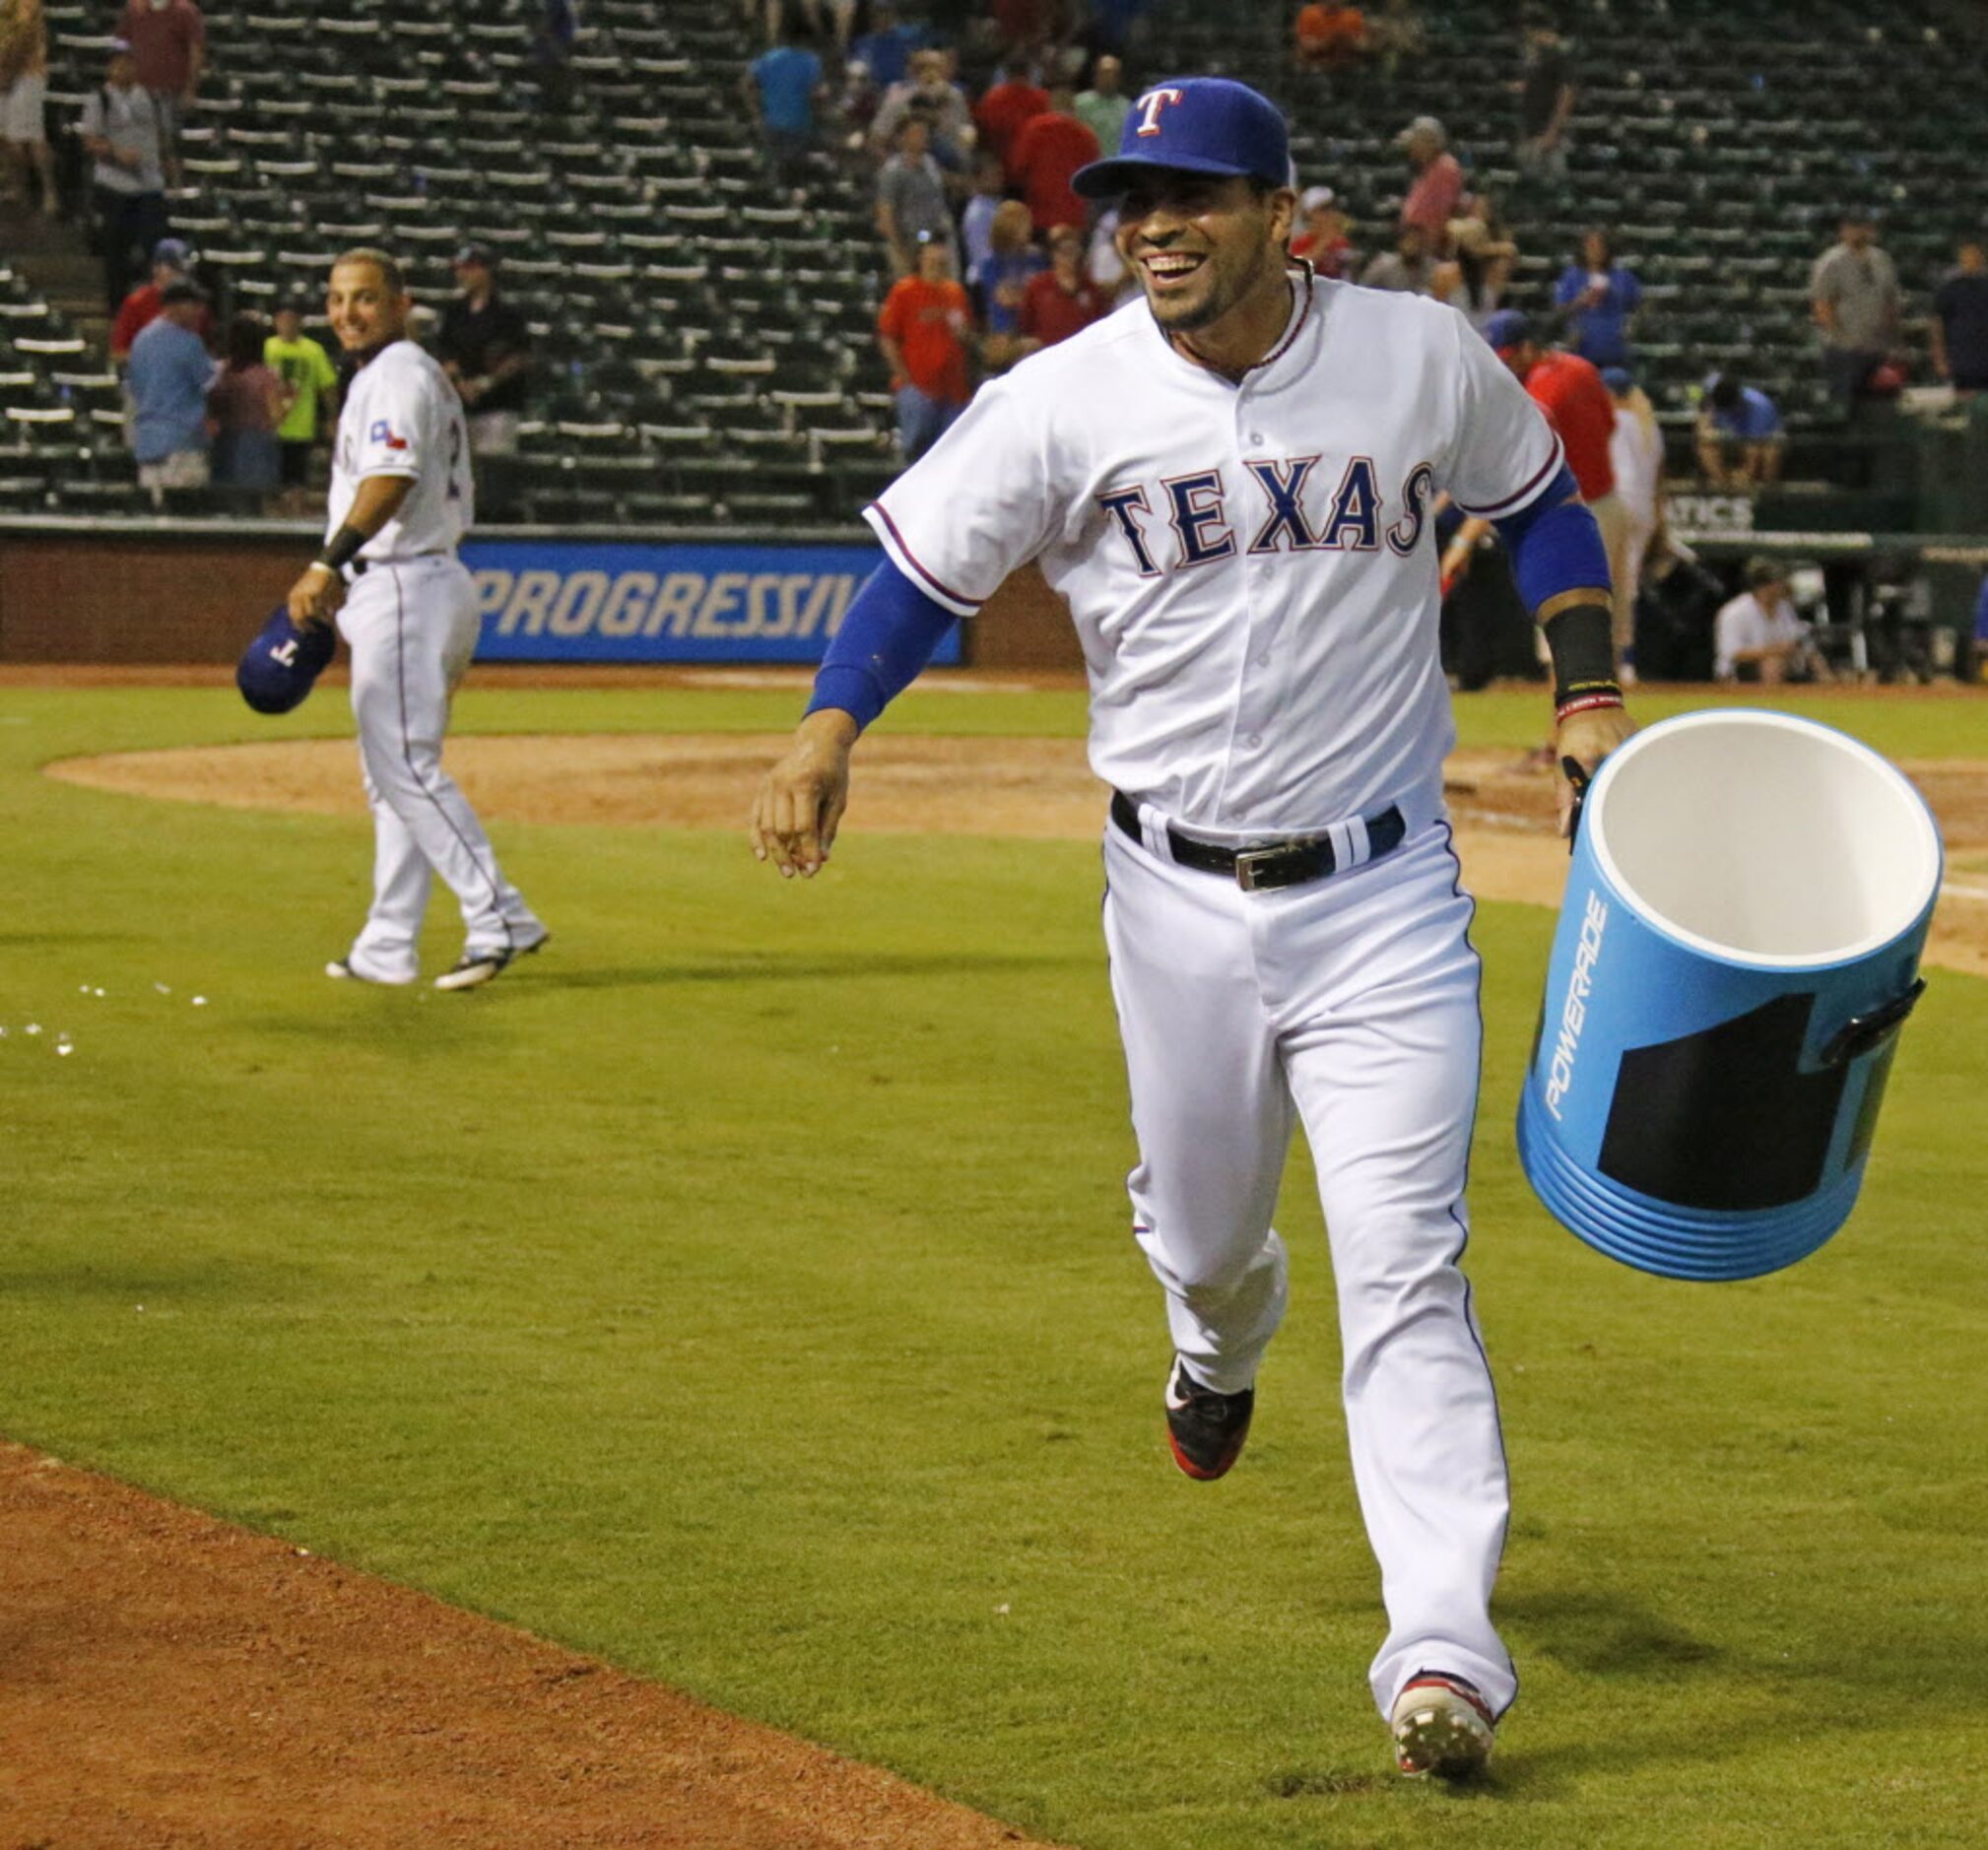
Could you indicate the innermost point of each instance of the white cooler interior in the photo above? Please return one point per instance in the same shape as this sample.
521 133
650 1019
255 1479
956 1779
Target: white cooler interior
1765 838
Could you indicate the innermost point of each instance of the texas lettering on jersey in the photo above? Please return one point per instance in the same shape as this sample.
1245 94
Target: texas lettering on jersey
1289 511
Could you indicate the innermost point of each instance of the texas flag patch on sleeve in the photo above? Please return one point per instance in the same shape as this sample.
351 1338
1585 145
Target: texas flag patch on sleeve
382 433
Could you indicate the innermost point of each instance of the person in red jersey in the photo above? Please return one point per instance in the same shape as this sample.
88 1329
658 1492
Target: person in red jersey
1008 107
1049 149
1582 411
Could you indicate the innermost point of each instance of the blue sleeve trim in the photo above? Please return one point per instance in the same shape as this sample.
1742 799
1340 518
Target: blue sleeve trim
887 635
1555 544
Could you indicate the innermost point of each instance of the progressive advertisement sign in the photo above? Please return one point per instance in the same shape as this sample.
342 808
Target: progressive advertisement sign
612 600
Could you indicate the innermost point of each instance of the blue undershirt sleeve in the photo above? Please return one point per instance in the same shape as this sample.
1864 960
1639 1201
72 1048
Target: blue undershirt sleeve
1555 544
887 635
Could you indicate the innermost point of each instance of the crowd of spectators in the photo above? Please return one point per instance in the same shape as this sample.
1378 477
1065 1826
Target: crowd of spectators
967 120
223 403
987 251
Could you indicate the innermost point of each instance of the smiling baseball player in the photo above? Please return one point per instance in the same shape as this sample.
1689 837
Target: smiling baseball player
1230 482
401 496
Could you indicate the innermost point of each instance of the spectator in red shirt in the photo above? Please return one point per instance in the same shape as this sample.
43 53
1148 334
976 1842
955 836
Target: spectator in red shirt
922 329
1007 105
1323 243
1437 187
1582 411
1049 149
170 259
1060 300
169 38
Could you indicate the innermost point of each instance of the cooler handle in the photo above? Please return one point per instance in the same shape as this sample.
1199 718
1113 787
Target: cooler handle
1865 1033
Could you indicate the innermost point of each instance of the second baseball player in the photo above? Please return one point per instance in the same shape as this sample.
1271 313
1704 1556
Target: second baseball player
401 498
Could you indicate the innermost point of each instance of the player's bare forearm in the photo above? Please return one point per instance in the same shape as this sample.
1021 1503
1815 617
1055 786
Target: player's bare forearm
801 799
320 588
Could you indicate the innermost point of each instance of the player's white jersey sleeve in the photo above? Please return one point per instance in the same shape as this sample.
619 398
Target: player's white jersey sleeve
982 500
1504 453
403 418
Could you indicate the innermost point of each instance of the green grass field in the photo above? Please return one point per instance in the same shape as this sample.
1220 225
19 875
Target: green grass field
742 1290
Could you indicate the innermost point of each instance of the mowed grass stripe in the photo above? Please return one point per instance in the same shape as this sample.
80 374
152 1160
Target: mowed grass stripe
744 1290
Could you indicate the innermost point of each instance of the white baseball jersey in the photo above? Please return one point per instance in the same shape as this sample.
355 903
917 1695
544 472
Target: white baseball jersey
1252 568
402 418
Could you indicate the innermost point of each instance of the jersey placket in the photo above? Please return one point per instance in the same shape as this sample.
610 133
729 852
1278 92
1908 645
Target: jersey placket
1263 590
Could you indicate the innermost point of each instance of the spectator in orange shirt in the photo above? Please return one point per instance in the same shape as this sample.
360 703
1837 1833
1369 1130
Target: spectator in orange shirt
1007 105
1060 300
1437 187
1045 154
922 329
1329 37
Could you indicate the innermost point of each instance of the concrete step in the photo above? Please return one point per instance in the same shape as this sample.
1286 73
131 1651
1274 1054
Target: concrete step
54 259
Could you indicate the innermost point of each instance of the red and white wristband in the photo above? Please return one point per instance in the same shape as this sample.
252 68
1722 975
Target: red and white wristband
1587 703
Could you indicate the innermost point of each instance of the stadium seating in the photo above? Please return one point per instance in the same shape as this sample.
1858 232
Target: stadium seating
706 340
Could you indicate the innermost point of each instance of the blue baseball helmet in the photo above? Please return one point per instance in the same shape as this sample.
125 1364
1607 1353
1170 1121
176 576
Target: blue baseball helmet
282 665
1194 125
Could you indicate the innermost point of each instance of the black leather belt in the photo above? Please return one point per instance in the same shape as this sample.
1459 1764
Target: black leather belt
361 567
1256 866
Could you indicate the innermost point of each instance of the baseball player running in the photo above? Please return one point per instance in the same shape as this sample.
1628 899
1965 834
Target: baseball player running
401 496
1230 482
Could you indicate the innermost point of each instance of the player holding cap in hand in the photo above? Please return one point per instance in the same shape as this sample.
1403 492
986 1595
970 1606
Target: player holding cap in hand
401 498
1231 484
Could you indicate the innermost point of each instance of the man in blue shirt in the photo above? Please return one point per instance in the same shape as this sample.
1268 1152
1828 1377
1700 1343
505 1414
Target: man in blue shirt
1598 299
1740 436
167 380
783 84
885 50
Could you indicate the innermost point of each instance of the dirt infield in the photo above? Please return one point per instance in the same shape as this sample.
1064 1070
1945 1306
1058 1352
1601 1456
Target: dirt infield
1029 787
169 1680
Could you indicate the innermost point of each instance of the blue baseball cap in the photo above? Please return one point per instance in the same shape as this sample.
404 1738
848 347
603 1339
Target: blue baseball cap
1506 329
282 665
1617 380
1194 125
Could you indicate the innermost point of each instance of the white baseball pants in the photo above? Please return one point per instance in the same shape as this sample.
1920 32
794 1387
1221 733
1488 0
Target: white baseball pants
1349 1004
412 627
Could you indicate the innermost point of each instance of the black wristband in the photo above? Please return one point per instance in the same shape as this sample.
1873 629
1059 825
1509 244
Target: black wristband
342 549
1582 642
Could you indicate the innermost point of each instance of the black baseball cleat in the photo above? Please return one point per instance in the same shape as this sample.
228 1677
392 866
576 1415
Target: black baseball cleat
1206 1430
1441 1725
475 968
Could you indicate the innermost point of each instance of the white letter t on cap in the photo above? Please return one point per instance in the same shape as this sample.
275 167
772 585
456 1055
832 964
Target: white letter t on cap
1150 106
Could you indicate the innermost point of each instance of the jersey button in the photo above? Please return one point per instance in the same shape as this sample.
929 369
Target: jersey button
1256 737
1256 436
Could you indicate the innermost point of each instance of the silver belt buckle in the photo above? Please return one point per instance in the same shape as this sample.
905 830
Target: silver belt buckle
1249 861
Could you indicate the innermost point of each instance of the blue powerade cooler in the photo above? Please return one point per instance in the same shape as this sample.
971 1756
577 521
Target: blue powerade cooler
1739 947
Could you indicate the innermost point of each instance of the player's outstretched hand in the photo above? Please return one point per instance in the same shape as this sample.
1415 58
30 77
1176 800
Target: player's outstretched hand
1587 737
801 799
316 597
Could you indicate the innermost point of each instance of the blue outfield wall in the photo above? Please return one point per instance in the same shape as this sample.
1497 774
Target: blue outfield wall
613 601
